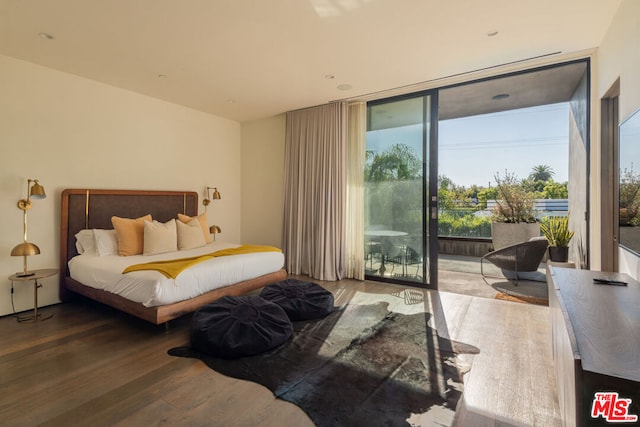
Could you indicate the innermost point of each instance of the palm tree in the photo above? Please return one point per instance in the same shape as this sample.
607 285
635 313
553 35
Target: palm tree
397 163
541 173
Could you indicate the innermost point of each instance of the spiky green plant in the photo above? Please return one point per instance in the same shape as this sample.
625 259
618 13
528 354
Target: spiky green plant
556 230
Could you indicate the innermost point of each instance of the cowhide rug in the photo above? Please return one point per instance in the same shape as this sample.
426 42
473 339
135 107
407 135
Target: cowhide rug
360 365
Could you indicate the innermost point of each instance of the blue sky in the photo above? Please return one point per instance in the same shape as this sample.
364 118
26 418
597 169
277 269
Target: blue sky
473 149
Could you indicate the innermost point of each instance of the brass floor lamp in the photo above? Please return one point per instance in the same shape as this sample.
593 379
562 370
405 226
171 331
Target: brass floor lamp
25 249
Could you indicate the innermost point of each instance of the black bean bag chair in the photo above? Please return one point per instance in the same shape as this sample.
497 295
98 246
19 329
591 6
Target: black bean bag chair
239 326
300 300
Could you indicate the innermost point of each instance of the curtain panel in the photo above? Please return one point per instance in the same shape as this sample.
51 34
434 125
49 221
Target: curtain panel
355 189
315 193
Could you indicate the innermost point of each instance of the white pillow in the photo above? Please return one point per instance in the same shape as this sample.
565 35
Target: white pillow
204 223
85 242
190 234
106 242
160 238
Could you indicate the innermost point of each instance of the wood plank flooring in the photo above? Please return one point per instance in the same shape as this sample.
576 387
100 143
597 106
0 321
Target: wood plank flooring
91 365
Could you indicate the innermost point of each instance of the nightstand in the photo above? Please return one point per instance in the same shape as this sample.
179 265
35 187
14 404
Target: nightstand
37 275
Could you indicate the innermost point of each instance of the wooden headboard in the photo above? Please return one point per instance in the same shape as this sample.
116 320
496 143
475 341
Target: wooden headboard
90 208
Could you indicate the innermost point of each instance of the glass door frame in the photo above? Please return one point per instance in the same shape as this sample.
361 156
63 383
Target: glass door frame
431 193
429 189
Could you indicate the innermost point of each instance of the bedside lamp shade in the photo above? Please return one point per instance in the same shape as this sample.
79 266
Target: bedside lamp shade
214 229
37 190
25 249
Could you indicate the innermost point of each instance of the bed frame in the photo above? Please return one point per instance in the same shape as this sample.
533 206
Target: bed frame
89 208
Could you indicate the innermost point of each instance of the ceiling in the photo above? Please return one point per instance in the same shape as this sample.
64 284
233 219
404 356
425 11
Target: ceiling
522 90
541 86
250 59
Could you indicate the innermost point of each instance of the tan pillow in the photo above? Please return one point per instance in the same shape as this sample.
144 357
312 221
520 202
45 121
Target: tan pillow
190 235
204 223
160 238
130 234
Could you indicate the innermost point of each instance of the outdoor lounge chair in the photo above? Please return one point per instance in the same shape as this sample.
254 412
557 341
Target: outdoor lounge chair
524 256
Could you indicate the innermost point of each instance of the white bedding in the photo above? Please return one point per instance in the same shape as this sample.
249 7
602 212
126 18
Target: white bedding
152 288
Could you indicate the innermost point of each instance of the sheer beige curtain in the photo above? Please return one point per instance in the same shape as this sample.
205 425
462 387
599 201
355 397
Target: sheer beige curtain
355 190
315 192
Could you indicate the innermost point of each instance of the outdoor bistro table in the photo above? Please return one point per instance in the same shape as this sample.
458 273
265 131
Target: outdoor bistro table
384 235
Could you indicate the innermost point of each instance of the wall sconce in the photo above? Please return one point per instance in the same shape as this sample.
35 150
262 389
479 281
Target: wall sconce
214 196
214 229
25 249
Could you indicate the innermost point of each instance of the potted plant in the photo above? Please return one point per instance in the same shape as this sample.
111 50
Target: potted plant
556 230
513 213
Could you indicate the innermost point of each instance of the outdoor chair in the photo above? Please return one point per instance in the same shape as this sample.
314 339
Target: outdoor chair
406 256
372 252
520 257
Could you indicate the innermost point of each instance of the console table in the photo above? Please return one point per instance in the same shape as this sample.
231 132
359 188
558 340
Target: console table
596 342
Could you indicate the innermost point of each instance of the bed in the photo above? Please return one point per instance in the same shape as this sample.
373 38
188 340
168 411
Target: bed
89 209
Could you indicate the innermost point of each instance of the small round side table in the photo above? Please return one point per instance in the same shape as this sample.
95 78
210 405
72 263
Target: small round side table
34 276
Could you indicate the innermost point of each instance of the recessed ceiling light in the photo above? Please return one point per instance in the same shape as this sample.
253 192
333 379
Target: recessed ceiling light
492 33
46 36
162 76
230 101
501 96
329 76
344 87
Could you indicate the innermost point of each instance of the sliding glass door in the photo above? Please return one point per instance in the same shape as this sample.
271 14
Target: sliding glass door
398 171
401 173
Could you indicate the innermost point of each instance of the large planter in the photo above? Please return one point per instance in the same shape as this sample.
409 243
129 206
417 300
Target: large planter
559 253
507 234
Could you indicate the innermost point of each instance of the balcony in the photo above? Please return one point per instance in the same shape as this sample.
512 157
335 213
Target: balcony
459 272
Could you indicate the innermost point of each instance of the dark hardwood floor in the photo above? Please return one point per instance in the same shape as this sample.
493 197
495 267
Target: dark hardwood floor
91 365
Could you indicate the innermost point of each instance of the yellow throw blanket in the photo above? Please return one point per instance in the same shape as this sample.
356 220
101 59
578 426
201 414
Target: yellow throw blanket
172 267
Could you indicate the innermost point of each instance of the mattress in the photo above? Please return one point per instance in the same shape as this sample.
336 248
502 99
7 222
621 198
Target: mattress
152 288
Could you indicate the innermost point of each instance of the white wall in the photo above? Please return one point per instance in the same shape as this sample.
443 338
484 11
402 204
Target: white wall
619 56
71 132
263 180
